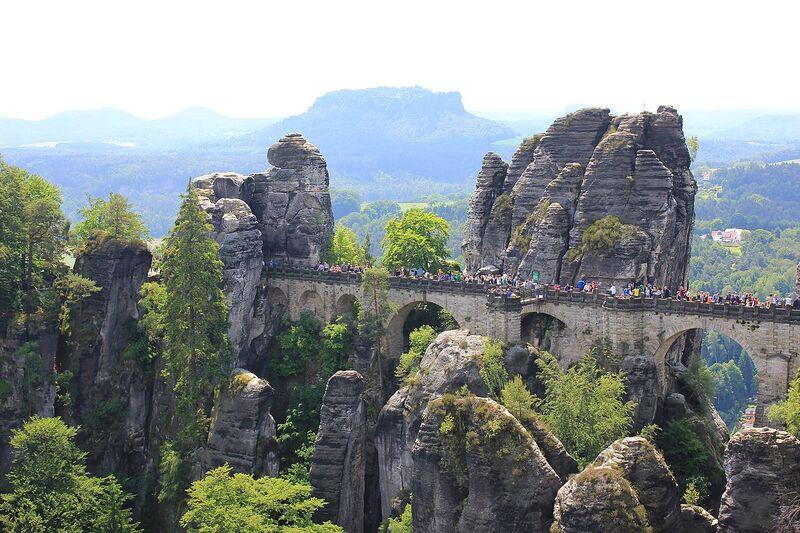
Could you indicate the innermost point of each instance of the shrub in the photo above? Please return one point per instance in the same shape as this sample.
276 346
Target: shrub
685 454
492 367
419 340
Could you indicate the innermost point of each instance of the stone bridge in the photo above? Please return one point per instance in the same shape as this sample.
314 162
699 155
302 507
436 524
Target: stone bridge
565 323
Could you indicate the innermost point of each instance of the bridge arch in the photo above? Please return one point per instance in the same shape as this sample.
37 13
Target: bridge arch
311 301
773 369
345 305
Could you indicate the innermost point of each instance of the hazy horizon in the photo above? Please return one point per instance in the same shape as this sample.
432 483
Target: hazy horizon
153 59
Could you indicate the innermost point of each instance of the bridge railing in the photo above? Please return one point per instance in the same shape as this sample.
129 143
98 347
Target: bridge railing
531 296
664 305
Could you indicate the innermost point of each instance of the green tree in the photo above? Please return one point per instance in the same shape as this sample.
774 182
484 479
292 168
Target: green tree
50 489
418 341
221 502
401 524
376 308
518 399
416 239
197 351
686 455
492 367
693 144
33 233
113 217
583 405
345 248
787 412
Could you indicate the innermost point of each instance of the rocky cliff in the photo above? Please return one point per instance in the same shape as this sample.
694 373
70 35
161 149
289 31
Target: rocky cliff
111 376
547 211
338 465
282 215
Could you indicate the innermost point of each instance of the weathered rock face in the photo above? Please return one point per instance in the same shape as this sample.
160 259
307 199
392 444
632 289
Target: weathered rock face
284 215
644 468
628 485
762 466
111 398
292 202
26 365
338 464
587 165
449 363
597 498
240 249
477 469
242 432
695 519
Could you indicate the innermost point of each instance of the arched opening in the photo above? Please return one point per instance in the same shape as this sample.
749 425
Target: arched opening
735 378
427 314
408 318
544 332
710 363
311 301
346 307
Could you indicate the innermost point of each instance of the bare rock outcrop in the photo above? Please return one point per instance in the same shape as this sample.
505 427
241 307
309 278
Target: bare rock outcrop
292 202
476 468
282 215
592 164
763 467
242 432
628 488
338 464
108 362
450 363
695 519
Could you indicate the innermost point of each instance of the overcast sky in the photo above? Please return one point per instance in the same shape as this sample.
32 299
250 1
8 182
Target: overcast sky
263 58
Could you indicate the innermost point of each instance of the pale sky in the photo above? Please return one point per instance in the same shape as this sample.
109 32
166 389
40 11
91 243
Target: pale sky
267 59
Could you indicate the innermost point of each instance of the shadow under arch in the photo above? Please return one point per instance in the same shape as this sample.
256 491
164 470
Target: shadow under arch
546 332
311 301
345 306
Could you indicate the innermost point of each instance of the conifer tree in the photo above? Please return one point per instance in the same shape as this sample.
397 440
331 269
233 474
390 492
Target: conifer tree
197 351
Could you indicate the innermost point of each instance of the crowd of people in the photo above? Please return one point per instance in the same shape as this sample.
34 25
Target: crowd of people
504 286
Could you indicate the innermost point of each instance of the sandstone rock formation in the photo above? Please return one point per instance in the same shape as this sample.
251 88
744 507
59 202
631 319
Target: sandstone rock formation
282 215
695 519
338 464
763 469
477 469
242 432
628 488
111 400
587 165
449 364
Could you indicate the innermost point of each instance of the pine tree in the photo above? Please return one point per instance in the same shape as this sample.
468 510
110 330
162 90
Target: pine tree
197 352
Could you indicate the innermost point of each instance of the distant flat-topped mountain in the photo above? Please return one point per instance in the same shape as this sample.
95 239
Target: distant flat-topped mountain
401 131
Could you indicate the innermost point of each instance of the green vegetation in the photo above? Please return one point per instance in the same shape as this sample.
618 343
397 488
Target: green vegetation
583 405
50 489
416 239
766 265
602 236
33 236
238 503
305 356
345 249
787 412
693 144
401 524
195 320
419 340
518 399
113 218
376 306
686 456
492 367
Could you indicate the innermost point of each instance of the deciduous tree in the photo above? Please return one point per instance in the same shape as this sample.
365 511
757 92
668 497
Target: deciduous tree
416 239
